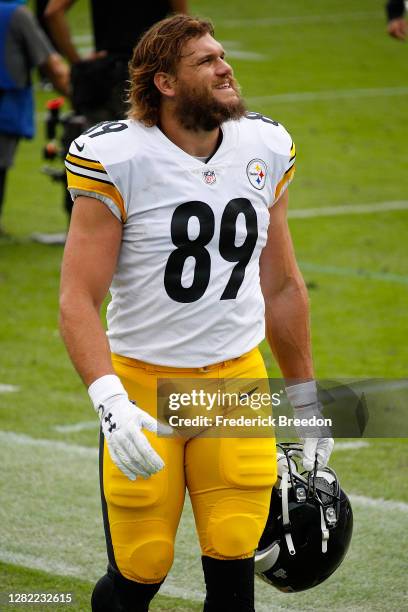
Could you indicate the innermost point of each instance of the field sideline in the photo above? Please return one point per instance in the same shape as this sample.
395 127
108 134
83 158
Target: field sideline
332 76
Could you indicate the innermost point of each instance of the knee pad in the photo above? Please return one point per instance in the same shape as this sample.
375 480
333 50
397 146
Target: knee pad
114 593
234 528
148 553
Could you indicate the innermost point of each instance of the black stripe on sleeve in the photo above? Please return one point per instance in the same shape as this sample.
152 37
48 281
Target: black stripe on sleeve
67 161
91 178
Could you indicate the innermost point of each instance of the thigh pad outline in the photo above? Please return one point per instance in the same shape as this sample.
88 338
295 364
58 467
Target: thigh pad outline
140 493
248 462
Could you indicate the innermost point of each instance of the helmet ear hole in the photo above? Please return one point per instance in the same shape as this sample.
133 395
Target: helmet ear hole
310 515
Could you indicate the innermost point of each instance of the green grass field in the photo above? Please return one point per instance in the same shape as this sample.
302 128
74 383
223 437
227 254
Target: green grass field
331 75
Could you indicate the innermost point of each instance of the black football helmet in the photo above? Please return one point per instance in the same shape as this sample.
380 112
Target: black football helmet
309 526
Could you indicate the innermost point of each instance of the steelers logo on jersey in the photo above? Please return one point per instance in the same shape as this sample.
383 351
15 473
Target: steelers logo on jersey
256 172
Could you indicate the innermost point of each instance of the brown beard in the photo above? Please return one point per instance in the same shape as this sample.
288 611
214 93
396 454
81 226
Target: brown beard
198 109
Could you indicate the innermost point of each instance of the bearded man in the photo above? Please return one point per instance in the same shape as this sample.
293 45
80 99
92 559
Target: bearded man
181 211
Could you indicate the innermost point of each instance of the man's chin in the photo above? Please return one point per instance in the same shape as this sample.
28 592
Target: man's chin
199 113
227 96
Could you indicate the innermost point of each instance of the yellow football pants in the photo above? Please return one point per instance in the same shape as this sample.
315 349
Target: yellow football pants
229 481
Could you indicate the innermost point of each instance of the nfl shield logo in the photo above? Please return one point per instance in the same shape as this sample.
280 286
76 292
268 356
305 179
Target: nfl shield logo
209 177
256 173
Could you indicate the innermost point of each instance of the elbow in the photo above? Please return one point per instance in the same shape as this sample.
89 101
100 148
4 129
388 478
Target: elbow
293 288
75 305
297 287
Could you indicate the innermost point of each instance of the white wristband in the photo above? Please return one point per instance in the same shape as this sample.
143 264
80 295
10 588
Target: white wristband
302 394
105 387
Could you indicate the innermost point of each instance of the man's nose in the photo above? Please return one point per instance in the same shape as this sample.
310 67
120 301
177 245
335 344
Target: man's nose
223 68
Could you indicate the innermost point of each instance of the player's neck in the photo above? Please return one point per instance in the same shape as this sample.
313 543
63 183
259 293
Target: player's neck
197 143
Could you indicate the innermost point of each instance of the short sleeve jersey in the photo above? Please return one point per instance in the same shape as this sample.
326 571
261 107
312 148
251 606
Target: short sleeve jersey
186 290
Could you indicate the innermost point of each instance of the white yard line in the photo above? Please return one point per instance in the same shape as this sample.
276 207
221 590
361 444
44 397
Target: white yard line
246 55
348 209
51 566
332 94
303 19
345 446
388 505
53 445
9 388
81 426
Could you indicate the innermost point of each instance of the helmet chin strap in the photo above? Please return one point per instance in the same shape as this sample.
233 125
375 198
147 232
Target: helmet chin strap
285 483
285 510
325 531
323 525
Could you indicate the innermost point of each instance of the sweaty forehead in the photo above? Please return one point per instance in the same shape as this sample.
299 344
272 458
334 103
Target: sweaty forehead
196 47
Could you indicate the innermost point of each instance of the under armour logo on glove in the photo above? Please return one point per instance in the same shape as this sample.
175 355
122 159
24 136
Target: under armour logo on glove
112 426
122 423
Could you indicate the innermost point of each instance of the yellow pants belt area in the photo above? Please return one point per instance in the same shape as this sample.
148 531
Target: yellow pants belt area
150 367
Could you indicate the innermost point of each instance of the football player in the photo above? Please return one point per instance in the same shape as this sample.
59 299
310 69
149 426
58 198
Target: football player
181 211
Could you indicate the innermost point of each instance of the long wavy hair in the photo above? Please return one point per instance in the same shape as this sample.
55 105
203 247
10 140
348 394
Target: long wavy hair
159 50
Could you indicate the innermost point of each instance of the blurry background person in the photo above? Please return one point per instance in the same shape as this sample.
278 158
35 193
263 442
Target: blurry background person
23 45
39 9
397 22
99 81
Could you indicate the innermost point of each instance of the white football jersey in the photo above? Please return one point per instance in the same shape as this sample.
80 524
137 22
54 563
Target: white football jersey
186 290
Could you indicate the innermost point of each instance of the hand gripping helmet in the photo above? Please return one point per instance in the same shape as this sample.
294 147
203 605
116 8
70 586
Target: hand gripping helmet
309 526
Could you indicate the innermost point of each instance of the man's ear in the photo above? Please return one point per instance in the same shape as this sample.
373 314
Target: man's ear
165 83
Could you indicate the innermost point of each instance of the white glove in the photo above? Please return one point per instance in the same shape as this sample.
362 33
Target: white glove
317 443
122 422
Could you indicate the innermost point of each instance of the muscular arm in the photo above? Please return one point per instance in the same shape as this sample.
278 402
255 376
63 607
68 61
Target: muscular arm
89 262
286 300
59 28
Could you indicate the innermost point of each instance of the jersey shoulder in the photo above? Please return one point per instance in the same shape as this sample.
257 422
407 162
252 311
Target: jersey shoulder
96 163
271 133
109 142
277 147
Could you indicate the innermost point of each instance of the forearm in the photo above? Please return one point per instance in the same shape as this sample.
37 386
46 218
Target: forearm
85 338
288 329
61 34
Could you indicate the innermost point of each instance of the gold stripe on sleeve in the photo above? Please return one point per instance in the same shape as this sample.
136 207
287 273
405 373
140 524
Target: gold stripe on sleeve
286 178
75 181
